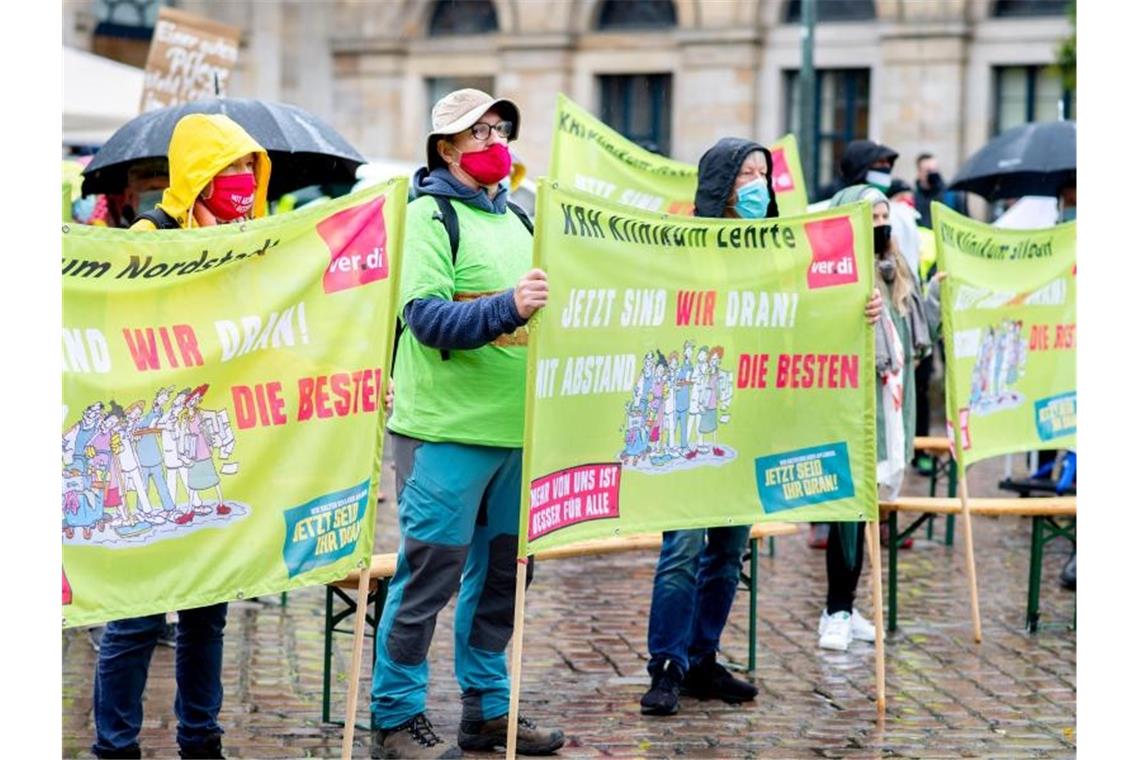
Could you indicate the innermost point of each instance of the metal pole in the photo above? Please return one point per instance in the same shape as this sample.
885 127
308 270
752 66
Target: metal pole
807 94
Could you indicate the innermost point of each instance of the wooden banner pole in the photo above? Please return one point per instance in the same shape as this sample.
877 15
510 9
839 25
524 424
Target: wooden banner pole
516 659
877 598
971 568
357 658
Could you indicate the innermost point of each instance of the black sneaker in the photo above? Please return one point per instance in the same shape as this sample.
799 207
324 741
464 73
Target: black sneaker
414 738
208 749
708 679
1069 573
661 699
485 735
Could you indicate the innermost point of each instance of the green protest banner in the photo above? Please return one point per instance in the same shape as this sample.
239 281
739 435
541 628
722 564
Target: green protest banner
788 176
588 155
691 372
1009 321
222 404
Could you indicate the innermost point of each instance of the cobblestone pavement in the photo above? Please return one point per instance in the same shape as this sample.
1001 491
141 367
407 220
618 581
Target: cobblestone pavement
1013 696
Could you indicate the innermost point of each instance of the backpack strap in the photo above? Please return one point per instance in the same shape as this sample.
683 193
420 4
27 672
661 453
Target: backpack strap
518 211
450 221
159 218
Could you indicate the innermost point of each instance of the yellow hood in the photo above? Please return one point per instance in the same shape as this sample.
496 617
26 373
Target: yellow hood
200 147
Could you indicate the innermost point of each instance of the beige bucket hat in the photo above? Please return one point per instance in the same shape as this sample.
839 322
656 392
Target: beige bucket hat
458 111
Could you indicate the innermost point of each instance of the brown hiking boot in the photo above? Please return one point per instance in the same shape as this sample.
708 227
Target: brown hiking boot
487 734
414 738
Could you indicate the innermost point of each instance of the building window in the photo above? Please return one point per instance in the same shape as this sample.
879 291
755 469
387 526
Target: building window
843 109
1014 8
640 107
132 19
1029 93
450 17
437 87
832 10
619 15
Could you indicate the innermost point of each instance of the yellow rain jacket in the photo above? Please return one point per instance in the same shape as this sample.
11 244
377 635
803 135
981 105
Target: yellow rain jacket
201 146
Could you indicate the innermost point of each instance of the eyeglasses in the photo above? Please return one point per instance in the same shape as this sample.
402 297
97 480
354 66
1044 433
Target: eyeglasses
482 130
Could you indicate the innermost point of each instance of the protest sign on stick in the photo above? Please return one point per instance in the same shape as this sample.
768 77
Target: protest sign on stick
590 156
690 372
1009 324
190 58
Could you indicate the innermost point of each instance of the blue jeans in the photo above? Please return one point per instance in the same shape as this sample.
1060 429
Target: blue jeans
120 677
692 593
458 508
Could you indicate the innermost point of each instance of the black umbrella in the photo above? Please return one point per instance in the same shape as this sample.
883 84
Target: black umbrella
1039 158
304 150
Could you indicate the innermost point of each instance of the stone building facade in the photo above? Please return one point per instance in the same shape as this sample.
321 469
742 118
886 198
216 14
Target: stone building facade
940 76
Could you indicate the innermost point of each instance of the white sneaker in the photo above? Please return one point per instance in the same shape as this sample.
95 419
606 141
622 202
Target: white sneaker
862 629
835 631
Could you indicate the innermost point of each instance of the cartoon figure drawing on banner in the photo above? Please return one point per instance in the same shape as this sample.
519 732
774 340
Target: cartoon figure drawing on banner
82 506
669 408
111 452
197 453
108 473
676 399
700 378
78 437
683 390
1000 363
148 447
172 427
129 460
636 440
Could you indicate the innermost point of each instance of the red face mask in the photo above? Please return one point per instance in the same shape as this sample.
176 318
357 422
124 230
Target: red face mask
232 196
487 166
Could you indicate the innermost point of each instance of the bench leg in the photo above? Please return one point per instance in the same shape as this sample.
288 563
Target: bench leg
326 683
753 566
1035 554
892 570
951 491
284 598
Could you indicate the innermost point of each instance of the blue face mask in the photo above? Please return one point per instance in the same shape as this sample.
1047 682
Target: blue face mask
752 200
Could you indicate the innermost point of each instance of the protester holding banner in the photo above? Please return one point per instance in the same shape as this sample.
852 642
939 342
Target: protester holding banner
218 174
902 335
698 570
467 292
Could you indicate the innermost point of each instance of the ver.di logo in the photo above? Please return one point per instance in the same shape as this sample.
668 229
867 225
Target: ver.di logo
832 253
358 246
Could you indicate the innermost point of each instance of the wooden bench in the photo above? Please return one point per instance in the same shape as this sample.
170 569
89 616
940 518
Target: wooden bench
384 567
1044 511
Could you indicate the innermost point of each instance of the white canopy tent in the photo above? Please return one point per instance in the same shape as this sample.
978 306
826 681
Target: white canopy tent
99 96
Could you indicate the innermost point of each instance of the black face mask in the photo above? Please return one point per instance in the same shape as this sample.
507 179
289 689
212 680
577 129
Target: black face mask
934 181
882 238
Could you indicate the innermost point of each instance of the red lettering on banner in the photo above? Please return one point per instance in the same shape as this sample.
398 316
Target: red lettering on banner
358 242
832 253
817 371
574 495
258 405
143 346
339 394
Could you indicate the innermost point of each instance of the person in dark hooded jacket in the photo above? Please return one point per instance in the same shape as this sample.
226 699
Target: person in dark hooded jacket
863 162
698 570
